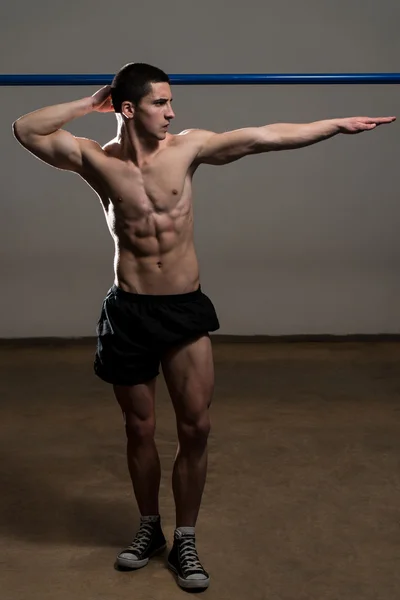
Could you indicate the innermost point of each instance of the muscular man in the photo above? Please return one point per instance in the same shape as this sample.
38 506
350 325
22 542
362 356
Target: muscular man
155 312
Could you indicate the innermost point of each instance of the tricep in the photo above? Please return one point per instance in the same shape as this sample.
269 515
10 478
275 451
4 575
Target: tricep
59 149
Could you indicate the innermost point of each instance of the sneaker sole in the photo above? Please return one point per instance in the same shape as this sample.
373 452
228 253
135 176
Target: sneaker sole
190 583
127 563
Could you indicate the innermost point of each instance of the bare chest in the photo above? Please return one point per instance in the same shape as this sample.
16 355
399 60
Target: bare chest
152 191
162 187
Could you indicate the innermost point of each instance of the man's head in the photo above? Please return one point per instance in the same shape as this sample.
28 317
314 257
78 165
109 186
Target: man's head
142 92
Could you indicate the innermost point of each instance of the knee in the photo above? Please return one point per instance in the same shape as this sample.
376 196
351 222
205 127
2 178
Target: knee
194 431
139 431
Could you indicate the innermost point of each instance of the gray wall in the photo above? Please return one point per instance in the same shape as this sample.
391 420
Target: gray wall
300 242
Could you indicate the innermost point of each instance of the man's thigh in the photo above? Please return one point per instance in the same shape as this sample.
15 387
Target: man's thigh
137 403
189 373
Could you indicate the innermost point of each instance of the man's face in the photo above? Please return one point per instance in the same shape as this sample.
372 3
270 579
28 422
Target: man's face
154 112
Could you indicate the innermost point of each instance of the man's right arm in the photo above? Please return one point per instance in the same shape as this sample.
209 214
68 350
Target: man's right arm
40 131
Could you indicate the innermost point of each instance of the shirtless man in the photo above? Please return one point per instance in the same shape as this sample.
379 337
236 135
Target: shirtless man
155 312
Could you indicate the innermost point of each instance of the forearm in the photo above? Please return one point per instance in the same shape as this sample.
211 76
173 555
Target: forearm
285 136
52 118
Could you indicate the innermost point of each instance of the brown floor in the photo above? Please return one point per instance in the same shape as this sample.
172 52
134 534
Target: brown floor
302 500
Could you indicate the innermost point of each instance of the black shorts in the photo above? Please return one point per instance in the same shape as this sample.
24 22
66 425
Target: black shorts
134 331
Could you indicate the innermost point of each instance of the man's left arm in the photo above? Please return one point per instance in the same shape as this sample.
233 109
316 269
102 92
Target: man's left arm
223 148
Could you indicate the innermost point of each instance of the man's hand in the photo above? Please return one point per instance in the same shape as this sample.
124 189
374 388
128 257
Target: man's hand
102 100
359 124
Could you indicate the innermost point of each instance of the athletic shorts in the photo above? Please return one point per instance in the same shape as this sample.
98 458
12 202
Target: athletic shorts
135 330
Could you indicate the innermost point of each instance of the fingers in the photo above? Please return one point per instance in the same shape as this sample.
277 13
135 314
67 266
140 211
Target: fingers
103 92
359 124
380 120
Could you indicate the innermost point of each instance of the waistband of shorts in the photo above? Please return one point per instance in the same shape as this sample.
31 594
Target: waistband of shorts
154 298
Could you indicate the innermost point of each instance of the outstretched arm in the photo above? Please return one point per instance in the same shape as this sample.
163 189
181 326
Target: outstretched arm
223 148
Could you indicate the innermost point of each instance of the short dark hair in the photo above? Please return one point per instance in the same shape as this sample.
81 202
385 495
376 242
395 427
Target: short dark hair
132 82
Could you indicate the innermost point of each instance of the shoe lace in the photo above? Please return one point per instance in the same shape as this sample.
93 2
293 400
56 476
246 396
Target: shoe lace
142 538
188 554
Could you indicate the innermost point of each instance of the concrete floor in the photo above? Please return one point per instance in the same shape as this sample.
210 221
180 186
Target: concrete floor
302 500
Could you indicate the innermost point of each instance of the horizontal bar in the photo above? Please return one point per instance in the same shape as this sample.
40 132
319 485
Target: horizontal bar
210 79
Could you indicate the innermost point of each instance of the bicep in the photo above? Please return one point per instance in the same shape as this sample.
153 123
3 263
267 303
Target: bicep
60 149
223 148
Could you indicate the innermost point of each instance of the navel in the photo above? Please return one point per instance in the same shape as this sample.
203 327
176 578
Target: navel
175 192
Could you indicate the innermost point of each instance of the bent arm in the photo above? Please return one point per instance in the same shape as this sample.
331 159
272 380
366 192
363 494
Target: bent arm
40 132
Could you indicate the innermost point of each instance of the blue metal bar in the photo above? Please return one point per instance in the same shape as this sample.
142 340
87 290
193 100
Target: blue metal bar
210 79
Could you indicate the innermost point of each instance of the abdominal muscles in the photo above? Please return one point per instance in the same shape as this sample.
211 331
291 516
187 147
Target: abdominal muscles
152 242
151 233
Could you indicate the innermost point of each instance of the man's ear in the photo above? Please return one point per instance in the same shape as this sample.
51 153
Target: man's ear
128 109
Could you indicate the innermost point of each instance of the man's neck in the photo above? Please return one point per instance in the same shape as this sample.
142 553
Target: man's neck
136 147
